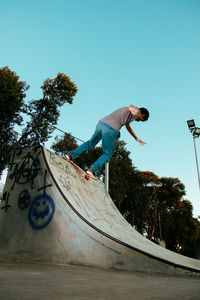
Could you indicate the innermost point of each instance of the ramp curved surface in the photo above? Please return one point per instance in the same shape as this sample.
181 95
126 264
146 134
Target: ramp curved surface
52 214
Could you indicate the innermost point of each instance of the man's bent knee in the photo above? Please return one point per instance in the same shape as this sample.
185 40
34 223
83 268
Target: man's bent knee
90 145
107 156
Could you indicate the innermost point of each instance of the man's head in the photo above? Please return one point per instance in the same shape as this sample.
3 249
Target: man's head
143 115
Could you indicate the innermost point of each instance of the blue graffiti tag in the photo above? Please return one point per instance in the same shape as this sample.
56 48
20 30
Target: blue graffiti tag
41 211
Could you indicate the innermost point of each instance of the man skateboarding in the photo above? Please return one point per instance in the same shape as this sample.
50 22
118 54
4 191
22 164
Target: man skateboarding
108 130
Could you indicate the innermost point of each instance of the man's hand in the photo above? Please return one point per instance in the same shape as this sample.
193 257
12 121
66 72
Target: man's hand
141 142
130 130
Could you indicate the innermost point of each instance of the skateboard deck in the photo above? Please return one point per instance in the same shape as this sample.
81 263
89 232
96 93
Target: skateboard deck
83 173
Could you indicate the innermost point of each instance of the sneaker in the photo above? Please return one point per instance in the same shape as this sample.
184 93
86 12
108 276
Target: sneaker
67 156
90 172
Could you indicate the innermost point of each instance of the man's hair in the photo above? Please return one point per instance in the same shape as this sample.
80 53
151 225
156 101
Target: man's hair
144 112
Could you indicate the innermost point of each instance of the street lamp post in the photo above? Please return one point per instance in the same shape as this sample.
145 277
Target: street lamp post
195 150
196 133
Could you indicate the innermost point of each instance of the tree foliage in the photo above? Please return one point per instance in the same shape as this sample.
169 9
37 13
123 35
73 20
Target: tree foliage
44 113
12 94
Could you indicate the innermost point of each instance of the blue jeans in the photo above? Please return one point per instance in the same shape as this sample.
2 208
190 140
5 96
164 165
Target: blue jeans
109 137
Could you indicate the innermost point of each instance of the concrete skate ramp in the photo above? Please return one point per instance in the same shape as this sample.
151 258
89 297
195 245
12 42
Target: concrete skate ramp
50 213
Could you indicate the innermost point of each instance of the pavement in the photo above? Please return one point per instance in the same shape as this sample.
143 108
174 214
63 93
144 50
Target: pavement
27 281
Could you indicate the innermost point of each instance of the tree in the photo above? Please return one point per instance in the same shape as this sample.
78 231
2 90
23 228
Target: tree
12 94
187 230
44 113
121 169
169 196
140 205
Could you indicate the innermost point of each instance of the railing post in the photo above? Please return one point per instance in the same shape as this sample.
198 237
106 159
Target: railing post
107 176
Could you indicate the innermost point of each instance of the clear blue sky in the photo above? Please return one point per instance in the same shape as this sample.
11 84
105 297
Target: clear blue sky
118 52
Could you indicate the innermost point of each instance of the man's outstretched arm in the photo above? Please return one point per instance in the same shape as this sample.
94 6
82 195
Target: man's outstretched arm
130 130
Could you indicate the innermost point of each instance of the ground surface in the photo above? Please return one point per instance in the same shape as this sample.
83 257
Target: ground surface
23 281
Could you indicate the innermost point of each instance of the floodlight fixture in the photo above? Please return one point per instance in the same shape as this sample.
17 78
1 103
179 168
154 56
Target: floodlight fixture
196 132
191 124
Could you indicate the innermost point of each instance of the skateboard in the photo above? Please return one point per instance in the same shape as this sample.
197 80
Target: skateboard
84 174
